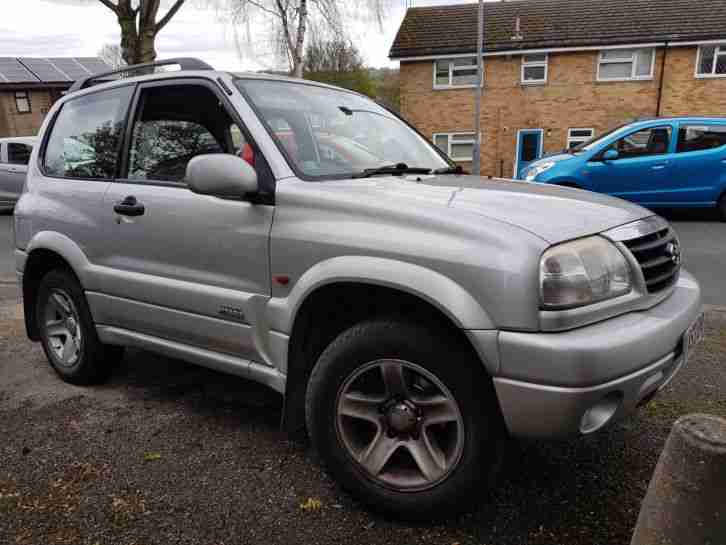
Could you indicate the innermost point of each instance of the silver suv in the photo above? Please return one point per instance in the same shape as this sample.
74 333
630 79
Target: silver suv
307 238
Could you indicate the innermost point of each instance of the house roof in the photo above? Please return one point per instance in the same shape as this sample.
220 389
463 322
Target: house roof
48 70
544 24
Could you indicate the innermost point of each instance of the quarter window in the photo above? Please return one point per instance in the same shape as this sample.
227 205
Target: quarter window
85 138
455 73
534 68
711 61
22 102
625 64
652 141
458 146
576 137
19 154
701 137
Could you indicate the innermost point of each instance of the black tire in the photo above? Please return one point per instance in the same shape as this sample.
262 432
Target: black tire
94 361
457 368
722 207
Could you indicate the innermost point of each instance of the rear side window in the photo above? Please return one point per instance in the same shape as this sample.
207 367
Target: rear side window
19 154
85 138
700 137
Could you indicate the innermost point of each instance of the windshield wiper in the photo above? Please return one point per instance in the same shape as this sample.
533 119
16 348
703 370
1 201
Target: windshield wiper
449 170
398 169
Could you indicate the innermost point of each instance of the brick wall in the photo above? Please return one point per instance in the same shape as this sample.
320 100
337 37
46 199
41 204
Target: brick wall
13 123
572 98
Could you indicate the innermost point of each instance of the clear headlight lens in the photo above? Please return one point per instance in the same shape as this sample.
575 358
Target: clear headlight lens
538 169
582 272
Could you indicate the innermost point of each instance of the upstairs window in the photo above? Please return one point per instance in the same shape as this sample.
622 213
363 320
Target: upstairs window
22 102
711 61
576 137
458 146
534 69
626 64
450 73
701 137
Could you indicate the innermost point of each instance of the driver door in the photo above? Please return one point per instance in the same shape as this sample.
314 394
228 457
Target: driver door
642 168
188 268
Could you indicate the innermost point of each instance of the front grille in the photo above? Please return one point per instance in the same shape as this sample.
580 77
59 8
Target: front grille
659 263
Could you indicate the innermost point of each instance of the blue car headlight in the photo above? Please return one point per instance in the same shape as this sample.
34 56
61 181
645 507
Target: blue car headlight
538 169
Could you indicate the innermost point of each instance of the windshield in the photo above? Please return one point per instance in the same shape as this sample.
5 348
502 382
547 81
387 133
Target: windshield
328 133
594 142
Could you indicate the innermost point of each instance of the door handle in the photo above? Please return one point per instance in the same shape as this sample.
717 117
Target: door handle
129 207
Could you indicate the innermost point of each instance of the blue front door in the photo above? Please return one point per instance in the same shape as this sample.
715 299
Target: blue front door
529 148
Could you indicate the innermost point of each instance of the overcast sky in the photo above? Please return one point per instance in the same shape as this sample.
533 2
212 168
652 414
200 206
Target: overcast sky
55 28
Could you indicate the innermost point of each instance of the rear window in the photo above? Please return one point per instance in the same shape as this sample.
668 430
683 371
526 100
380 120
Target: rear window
85 138
701 137
19 154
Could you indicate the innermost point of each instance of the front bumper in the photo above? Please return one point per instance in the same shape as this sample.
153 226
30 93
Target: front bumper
575 382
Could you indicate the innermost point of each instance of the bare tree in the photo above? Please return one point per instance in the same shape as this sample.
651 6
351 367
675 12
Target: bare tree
111 55
290 20
139 26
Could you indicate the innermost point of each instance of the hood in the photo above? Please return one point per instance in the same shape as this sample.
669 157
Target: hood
555 157
552 213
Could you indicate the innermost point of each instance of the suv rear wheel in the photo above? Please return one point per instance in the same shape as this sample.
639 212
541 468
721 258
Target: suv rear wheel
405 418
67 332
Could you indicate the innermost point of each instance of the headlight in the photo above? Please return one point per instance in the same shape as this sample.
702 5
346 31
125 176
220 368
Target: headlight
538 169
582 272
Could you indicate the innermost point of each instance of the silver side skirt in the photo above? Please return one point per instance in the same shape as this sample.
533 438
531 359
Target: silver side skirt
224 363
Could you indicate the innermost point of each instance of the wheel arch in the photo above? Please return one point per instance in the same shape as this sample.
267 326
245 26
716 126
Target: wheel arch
47 251
331 307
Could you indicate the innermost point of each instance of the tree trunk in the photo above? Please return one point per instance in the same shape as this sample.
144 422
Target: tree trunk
297 54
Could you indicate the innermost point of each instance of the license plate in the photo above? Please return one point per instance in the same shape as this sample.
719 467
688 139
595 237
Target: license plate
694 334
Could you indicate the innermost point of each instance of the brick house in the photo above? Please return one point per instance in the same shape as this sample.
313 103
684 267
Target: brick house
29 86
557 72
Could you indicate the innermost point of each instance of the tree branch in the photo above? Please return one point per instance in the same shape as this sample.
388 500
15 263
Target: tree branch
110 5
169 14
261 7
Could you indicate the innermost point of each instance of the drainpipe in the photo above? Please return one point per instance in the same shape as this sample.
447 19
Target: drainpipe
477 105
662 79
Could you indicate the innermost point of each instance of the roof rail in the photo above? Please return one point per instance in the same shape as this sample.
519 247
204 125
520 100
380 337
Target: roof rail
185 63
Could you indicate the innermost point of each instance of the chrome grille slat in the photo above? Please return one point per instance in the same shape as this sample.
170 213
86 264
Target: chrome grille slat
651 251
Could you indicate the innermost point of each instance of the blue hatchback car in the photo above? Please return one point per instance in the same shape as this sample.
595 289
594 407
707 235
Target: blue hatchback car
678 162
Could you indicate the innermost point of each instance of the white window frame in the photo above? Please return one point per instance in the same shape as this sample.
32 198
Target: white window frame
720 50
530 64
633 58
448 143
25 96
450 85
579 139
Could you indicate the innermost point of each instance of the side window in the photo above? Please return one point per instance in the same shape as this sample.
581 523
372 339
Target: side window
652 141
19 154
176 123
85 138
701 137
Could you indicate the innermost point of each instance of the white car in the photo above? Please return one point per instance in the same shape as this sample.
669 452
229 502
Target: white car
14 156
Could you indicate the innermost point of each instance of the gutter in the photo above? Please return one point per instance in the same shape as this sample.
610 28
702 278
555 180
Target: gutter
662 79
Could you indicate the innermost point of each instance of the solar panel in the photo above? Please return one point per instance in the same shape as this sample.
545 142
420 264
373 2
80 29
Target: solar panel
44 69
70 67
11 71
94 64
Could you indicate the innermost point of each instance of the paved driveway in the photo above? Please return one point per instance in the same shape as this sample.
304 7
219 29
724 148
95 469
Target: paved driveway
704 245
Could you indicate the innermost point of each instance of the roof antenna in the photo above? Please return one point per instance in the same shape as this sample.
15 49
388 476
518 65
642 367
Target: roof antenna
517 30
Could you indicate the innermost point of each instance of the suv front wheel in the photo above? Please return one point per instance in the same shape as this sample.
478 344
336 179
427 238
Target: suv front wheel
68 334
405 418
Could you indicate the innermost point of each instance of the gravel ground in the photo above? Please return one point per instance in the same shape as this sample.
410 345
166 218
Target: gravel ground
169 453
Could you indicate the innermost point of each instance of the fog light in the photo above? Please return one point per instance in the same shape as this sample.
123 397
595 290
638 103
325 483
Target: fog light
600 414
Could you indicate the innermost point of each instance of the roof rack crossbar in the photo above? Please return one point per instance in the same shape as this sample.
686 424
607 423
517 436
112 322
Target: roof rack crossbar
185 63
